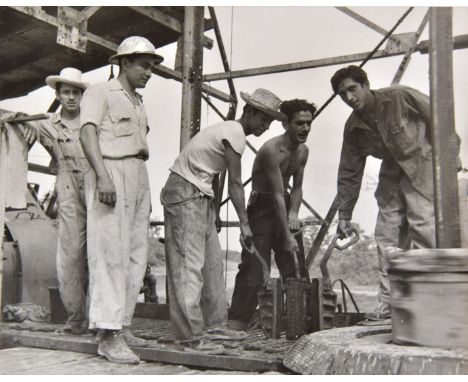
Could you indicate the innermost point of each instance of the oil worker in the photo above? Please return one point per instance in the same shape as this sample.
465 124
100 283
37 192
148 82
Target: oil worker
272 211
197 296
60 136
114 138
392 124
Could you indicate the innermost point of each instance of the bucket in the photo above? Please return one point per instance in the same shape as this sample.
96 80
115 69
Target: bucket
429 297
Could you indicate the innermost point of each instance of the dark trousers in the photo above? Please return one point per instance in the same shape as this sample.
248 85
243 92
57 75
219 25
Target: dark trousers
266 237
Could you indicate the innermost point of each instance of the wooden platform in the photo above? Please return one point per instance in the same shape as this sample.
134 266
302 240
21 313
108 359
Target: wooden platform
254 354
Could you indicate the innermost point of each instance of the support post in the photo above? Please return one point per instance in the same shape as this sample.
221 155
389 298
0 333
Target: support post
192 71
444 139
3 169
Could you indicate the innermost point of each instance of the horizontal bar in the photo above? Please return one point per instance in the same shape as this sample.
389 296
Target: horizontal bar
41 169
460 42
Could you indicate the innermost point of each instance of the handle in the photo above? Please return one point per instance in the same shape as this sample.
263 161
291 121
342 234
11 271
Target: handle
253 251
354 240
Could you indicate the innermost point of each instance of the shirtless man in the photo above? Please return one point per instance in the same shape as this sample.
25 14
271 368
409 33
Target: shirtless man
272 211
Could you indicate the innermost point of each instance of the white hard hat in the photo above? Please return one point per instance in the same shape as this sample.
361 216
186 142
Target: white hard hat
135 45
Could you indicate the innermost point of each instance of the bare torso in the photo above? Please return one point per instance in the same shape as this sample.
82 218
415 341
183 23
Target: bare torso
289 162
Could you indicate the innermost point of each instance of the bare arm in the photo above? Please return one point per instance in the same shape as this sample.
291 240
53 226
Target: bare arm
90 143
271 166
236 189
217 201
296 192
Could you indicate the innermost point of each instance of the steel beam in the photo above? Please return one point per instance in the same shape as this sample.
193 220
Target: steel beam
168 21
192 71
3 177
459 42
444 139
407 57
356 16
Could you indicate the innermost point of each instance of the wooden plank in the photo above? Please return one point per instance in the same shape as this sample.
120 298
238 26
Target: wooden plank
168 21
157 352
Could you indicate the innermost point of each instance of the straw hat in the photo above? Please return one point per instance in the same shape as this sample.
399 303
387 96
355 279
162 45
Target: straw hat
265 101
70 76
135 45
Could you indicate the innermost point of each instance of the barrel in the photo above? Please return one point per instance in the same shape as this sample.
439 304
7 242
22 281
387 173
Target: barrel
429 297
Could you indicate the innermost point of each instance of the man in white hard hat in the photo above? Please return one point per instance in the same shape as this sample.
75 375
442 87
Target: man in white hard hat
113 135
197 296
60 135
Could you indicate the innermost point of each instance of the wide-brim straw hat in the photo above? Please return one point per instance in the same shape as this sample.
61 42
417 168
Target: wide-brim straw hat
265 101
135 45
70 76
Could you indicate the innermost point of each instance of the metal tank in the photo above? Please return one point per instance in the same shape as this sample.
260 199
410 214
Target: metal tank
29 253
429 297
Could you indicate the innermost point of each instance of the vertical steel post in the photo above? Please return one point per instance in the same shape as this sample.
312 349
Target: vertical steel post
444 139
192 71
3 180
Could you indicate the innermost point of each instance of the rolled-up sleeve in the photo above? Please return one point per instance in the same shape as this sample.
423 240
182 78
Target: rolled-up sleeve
350 172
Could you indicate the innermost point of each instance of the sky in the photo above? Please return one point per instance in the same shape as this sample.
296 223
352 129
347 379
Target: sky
263 36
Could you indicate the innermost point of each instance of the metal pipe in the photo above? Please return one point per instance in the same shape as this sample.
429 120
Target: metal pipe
444 139
192 71
459 42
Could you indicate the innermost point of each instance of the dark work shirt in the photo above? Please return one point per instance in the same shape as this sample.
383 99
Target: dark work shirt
400 138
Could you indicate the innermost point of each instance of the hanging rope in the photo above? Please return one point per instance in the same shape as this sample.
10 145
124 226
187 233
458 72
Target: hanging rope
369 56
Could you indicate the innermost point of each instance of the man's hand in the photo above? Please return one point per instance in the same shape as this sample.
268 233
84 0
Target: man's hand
246 234
290 244
106 190
294 223
30 133
344 228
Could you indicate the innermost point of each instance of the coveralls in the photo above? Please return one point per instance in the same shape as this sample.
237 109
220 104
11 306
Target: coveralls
117 235
63 142
266 237
405 190
197 296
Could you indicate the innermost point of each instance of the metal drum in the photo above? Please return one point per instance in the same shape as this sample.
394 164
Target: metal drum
29 266
429 297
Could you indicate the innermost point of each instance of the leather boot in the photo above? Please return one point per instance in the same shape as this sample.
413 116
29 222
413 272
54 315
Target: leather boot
113 347
131 340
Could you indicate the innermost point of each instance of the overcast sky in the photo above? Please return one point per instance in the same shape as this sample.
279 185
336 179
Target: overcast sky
263 36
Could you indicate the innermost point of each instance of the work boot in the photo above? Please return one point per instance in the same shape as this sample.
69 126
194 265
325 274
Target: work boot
225 333
78 328
113 347
204 346
383 311
131 340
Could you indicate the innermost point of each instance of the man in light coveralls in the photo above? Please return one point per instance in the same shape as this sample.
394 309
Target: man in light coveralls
60 136
113 135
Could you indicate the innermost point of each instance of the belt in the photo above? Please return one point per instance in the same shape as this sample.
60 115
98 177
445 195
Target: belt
137 156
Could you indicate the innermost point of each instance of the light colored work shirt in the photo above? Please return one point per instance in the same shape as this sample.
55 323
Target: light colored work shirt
204 155
63 141
121 122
